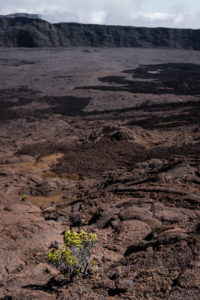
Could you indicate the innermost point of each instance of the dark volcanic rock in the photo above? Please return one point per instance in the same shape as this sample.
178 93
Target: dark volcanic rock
122 163
26 32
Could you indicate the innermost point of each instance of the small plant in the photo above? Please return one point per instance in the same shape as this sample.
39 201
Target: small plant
74 256
24 197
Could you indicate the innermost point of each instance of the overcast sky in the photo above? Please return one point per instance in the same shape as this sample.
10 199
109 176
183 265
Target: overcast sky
169 13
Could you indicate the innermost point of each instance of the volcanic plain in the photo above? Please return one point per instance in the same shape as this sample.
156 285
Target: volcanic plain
106 140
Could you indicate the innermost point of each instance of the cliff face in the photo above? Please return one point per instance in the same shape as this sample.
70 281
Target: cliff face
26 32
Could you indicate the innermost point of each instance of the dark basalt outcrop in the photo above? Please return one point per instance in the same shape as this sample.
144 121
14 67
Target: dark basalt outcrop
27 32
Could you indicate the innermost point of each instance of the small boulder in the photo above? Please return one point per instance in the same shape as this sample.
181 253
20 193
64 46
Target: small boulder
132 231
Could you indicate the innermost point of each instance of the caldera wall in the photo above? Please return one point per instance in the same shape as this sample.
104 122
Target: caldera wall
26 32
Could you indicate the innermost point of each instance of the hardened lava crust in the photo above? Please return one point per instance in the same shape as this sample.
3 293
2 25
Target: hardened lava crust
104 140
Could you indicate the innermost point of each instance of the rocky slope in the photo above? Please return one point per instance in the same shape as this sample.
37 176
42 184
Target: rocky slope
26 32
101 142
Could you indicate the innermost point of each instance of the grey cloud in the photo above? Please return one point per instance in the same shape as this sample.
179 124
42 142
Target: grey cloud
176 20
103 11
117 12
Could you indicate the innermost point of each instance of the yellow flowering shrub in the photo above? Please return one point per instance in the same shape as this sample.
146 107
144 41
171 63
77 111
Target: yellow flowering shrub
74 255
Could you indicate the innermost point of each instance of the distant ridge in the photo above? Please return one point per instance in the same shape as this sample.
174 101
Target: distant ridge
21 15
22 30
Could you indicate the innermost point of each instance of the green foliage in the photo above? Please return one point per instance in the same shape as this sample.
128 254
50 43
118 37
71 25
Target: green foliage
74 255
53 256
24 197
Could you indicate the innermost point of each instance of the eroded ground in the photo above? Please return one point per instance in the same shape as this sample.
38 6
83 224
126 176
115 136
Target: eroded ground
104 140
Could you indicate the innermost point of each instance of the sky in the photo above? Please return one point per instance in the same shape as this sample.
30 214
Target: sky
150 13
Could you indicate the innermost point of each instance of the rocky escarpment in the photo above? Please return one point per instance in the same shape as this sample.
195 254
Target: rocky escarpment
26 32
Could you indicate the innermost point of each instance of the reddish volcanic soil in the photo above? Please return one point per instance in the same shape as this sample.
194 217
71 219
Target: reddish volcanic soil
108 141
